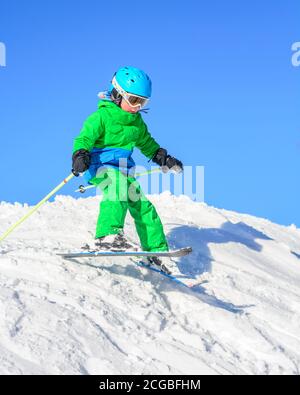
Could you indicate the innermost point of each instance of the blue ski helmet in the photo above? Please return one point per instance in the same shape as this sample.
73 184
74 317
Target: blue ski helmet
134 81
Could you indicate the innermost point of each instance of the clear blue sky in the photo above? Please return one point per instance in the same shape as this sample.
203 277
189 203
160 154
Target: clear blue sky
226 95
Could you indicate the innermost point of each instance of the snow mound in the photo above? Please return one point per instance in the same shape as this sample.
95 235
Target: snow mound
65 317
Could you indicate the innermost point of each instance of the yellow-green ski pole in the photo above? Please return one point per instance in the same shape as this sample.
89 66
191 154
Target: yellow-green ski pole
13 227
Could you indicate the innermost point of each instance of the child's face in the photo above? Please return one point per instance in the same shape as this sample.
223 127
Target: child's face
127 107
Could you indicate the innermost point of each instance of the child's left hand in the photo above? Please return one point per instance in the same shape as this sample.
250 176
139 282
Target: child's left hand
174 164
167 162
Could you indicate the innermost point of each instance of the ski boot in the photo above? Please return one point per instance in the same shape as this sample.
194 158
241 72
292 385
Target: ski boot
115 242
157 263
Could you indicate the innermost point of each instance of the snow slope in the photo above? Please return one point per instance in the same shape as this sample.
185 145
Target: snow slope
63 317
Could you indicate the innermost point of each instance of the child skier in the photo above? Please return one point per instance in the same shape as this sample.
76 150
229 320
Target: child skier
103 151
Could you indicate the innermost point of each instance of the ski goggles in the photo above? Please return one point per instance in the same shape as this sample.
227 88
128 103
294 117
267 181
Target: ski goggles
130 98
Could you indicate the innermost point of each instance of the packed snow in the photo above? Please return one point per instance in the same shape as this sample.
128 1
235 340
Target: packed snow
68 317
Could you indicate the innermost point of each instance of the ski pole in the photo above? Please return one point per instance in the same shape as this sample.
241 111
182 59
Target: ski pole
35 208
82 188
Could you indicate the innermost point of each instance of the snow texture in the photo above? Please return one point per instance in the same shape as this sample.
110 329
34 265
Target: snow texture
66 317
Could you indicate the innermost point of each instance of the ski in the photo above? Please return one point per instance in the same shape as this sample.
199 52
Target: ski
97 254
189 284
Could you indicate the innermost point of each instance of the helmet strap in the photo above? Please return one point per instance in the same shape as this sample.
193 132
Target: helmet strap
116 97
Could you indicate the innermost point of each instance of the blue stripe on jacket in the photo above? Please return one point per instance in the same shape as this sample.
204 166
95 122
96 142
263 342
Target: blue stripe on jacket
117 158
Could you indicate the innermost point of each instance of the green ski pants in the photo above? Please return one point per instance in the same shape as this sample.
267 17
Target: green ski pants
122 193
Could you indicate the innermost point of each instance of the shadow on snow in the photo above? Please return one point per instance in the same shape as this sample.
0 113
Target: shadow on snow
198 262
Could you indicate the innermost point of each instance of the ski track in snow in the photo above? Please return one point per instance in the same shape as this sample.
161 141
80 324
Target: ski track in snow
65 317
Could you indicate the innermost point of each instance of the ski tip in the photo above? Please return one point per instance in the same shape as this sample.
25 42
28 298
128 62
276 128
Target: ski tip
183 251
192 285
64 256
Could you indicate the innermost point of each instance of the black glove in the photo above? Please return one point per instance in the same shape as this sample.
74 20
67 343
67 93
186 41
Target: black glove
81 161
174 164
160 157
167 162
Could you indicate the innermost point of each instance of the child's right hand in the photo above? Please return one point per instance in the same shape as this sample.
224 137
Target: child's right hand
81 161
